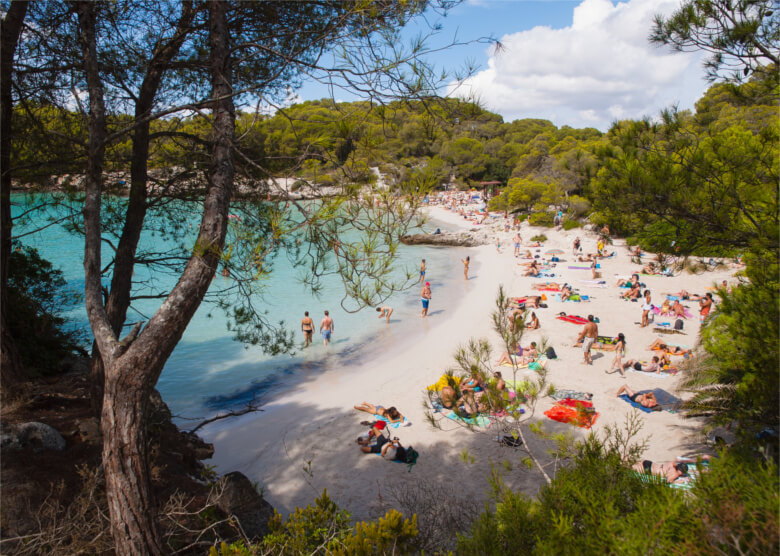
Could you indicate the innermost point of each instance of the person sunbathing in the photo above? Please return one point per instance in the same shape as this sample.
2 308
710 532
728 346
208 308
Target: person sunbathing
653 367
587 259
448 397
533 324
376 433
650 268
645 400
566 292
500 384
547 286
634 292
521 356
687 296
629 282
660 345
666 308
533 270
391 413
669 470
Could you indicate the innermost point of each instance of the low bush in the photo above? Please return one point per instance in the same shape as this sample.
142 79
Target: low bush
545 219
571 224
540 238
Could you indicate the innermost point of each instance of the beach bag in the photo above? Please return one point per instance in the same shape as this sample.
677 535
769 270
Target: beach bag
678 324
550 353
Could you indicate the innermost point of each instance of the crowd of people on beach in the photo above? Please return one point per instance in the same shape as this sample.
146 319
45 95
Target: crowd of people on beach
469 398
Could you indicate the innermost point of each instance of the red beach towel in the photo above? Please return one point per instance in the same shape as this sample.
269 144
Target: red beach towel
571 416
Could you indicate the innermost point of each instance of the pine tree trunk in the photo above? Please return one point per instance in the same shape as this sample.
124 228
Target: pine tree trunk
133 366
11 371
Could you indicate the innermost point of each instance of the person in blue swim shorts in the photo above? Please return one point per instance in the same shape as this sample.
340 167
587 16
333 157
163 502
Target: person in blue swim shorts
425 298
326 329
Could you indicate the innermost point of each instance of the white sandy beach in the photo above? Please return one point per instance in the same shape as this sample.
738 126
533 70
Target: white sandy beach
304 440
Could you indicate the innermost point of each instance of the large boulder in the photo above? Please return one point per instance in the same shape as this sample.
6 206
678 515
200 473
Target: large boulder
448 239
35 436
240 499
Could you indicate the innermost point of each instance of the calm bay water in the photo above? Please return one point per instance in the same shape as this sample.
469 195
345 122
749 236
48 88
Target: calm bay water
208 370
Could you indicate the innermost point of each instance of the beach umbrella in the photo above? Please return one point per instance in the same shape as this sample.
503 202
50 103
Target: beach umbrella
554 252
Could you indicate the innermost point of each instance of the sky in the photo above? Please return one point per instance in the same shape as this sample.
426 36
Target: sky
582 63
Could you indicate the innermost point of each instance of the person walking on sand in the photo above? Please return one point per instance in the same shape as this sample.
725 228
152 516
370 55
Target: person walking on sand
385 311
588 336
425 298
576 245
422 271
466 262
646 308
307 327
326 329
518 241
498 245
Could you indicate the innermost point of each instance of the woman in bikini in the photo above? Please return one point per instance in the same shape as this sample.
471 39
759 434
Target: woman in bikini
466 262
391 413
620 350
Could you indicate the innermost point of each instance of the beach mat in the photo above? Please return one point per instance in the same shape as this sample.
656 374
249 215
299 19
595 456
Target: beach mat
403 423
639 406
582 267
655 375
574 319
478 421
668 401
571 394
571 416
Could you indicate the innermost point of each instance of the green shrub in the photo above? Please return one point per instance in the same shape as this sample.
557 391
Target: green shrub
36 298
578 206
539 238
570 224
545 219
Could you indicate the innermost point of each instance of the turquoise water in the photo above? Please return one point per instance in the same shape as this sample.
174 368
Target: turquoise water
208 370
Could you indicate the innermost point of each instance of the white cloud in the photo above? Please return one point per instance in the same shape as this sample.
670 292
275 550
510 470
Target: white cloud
599 69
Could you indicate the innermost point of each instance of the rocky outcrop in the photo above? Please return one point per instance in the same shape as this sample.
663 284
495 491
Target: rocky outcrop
463 239
35 436
239 498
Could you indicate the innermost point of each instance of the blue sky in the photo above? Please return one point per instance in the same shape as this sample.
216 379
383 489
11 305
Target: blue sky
583 63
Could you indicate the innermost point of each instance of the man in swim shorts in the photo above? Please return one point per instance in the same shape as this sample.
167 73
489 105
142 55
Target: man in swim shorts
326 329
588 336
425 297
422 271
307 327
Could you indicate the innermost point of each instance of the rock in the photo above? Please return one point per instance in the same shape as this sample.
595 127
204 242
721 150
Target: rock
89 431
74 364
199 448
239 498
33 435
455 240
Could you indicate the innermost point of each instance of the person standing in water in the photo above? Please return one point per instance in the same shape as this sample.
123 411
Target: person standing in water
307 327
425 298
466 262
326 329
422 271
385 311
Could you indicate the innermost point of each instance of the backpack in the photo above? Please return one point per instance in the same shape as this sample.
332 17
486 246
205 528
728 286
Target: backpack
410 457
678 325
550 353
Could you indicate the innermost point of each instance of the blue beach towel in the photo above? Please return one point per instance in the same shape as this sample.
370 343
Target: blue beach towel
403 423
639 406
478 421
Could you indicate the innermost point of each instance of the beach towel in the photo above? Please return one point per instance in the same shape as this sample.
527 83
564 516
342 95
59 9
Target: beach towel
608 340
546 275
662 330
582 267
574 319
637 405
548 289
584 418
478 421
575 403
594 283
403 423
655 375
572 394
